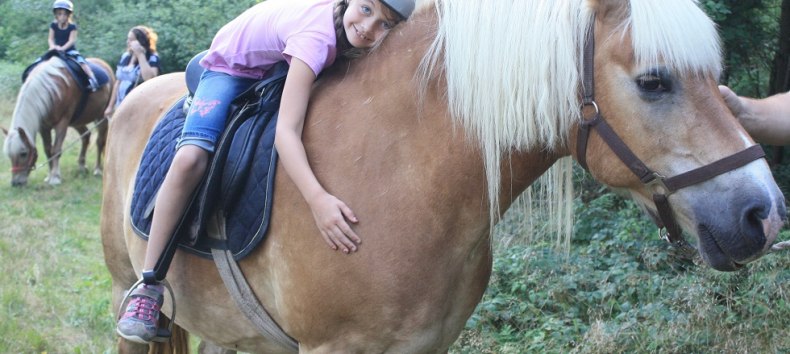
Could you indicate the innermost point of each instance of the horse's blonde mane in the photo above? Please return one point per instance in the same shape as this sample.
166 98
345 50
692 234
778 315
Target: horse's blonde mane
35 101
512 70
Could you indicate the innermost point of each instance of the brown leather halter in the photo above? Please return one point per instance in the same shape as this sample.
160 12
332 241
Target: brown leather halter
659 185
32 156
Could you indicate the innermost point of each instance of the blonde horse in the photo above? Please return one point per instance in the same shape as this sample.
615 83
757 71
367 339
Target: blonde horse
51 98
431 137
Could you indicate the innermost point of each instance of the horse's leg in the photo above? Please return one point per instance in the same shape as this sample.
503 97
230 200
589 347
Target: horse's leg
178 343
85 136
127 347
57 148
46 141
206 347
101 141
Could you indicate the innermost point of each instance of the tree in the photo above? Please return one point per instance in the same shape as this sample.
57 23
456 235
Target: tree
780 79
748 30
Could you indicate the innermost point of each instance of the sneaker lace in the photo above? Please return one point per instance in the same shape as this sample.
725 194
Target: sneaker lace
143 308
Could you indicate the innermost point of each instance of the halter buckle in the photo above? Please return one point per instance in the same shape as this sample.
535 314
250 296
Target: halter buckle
664 234
595 114
657 186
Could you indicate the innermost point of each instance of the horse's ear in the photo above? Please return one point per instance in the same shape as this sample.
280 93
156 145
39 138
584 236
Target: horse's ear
5 132
24 136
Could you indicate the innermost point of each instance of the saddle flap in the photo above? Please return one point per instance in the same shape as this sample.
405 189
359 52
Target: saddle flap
239 181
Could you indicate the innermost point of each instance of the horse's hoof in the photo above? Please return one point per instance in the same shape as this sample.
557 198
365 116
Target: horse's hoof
54 181
97 172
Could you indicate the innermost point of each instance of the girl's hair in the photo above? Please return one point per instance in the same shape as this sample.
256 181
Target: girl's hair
147 38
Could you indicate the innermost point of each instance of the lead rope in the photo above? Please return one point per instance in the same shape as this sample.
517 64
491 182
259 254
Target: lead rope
69 145
781 246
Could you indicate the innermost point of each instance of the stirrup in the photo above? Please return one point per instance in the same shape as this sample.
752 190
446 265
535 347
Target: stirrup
162 334
93 85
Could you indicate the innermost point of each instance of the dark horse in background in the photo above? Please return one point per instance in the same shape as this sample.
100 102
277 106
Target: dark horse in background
51 98
430 138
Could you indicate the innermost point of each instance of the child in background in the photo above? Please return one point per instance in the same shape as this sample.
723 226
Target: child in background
63 37
140 62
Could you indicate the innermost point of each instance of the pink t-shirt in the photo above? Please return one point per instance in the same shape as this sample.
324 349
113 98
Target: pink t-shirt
273 31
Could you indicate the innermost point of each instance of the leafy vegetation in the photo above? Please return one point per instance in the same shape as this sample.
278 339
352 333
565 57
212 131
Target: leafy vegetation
185 27
621 289
749 31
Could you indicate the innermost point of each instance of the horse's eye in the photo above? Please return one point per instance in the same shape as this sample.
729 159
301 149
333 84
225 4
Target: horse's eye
652 84
23 155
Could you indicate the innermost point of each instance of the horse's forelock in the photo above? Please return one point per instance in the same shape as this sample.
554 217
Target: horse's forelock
12 144
676 34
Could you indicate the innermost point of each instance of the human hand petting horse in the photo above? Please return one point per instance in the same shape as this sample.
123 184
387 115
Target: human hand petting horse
767 120
432 136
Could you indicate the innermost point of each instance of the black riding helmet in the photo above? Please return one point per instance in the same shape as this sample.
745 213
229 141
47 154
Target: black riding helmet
403 8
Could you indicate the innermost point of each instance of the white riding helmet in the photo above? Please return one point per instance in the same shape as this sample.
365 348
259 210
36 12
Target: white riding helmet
63 4
403 8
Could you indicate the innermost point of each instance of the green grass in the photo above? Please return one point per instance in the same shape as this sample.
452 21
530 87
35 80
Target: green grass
56 290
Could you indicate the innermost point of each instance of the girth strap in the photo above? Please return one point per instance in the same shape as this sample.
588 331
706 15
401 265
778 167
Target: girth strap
247 302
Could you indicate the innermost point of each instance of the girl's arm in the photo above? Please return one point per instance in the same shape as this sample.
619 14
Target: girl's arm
51 40
329 212
72 40
111 105
767 120
146 70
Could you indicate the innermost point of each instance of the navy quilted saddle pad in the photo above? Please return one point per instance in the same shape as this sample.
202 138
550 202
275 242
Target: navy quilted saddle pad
101 75
238 185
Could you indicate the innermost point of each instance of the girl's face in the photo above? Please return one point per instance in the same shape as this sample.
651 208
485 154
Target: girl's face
366 22
130 38
62 16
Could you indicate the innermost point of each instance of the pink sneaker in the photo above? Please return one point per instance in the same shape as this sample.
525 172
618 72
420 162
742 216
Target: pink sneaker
139 322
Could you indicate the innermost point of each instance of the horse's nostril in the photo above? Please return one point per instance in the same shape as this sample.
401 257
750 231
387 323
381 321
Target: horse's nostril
752 223
755 215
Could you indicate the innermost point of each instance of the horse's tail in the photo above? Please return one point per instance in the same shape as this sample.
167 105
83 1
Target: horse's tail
178 343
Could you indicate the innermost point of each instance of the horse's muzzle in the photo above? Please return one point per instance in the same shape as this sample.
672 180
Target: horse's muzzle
726 246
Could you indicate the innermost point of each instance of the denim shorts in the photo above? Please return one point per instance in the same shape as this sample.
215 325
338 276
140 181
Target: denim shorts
77 56
208 113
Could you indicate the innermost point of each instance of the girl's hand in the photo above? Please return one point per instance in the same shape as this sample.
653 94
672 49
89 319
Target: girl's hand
136 48
330 216
108 111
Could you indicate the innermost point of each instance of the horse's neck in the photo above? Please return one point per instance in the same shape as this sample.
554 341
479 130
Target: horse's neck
28 113
37 98
520 170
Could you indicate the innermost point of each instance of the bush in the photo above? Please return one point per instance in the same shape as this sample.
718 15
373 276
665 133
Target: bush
10 79
621 289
